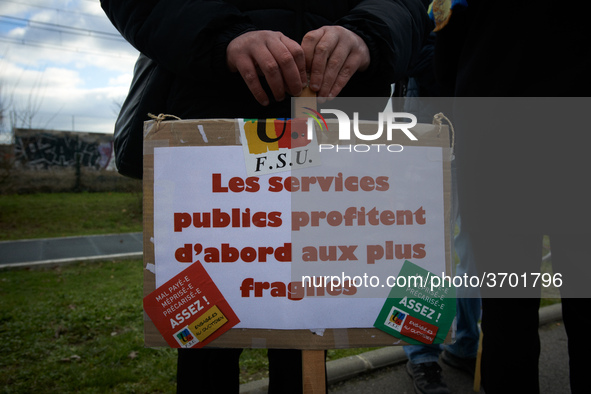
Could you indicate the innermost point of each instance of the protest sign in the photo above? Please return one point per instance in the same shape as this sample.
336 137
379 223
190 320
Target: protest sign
421 312
303 258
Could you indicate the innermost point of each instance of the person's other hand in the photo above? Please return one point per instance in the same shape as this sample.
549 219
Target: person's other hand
333 54
270 54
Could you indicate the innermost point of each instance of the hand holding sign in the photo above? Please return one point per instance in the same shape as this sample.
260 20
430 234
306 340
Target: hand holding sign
270 54
333 55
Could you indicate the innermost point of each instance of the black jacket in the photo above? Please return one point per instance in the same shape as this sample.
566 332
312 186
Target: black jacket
188 40
521 162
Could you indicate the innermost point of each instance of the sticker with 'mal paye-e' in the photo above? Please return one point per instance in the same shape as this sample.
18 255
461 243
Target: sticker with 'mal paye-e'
189 310
419 312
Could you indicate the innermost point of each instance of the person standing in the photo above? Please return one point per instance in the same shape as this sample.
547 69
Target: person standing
244 59
519 75
426 97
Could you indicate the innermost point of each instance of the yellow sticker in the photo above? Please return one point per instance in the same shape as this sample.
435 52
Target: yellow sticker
272 131
208 323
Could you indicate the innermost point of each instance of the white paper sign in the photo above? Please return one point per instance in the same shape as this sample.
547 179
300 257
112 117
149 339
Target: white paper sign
357 215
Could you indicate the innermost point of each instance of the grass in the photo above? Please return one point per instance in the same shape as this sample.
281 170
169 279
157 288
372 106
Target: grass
67 214
79 328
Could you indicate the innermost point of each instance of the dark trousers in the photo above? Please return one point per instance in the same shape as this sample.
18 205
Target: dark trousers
218 371
511 344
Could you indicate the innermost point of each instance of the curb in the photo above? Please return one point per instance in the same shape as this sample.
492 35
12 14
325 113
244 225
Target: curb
90 259
349 367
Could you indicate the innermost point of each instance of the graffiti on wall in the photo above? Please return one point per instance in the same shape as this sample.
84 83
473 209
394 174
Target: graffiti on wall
42 149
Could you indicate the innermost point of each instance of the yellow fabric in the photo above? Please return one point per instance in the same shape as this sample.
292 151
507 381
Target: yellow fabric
441 13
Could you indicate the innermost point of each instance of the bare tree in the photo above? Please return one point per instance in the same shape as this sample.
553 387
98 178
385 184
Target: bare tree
3 111
117 104
23 112
5 108
6 140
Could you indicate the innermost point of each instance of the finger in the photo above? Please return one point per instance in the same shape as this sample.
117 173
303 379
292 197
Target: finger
267 63
357 59
300 63
347 70
309 43
283 51
334 67
322 52
248 71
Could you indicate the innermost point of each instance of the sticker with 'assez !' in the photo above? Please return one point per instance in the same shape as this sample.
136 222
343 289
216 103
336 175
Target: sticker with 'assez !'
418 313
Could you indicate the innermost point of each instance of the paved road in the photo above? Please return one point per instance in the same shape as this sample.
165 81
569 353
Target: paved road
553 371
36 252
383 371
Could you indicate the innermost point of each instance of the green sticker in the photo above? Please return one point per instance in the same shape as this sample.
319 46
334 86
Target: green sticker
416 310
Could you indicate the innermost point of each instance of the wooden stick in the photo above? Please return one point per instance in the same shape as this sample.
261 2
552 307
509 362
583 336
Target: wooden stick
477 375
313 370
306 99
313 361
307 92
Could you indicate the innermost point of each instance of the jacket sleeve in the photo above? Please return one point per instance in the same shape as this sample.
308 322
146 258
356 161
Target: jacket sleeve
394 31
153 27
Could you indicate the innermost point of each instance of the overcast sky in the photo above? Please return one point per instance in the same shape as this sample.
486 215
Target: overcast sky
62 62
